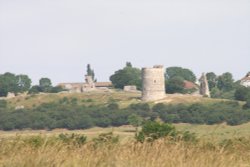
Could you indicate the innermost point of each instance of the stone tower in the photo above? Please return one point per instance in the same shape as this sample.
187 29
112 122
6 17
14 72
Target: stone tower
153 83
204 88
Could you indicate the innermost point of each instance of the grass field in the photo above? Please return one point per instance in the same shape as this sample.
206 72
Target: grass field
217 146
43 149
208 132
101 98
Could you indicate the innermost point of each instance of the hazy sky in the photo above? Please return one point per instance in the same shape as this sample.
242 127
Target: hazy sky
58 38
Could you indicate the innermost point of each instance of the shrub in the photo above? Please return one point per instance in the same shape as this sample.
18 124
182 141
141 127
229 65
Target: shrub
188 137
242 93
76 139
140 106
3 104
113 106
35 141
154 130
247 105
74 101
106 139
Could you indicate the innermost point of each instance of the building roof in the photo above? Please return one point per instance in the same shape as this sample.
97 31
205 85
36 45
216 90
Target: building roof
72 84
190 85
97 84
103 84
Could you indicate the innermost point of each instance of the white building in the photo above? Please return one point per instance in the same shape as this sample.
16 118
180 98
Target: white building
246 80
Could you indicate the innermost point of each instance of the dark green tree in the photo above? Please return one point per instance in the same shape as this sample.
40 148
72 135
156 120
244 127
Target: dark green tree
128 64
45 84
212 80
247 105
90 72
135 120
126 76
8 83
184 73
175 85
23 83
154 130
35 89
242 93
225 82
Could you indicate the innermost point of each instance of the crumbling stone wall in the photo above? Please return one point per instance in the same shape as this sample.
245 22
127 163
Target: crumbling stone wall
204 88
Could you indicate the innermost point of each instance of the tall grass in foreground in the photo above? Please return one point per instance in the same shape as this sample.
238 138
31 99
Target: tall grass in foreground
42 151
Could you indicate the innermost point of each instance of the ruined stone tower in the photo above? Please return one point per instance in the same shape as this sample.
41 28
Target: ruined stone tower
204 88
153 83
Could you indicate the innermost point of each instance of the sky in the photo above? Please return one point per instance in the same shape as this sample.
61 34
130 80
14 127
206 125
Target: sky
58 38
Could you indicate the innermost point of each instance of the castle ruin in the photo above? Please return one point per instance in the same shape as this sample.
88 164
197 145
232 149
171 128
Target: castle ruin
153 83
89 84
204 88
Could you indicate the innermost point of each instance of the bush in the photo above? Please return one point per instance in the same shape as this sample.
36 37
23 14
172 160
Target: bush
153 130
105 139
76 139
3 104
175 85
247 105
113 106
56 89
140 106
35 89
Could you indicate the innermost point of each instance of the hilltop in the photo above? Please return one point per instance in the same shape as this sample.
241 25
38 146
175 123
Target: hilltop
124 99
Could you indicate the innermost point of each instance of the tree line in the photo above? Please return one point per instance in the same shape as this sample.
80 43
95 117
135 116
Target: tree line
221 86
10 82
69 113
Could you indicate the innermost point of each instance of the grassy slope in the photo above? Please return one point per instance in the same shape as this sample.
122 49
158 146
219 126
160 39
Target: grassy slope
96 98
17 151
99 98
209 132
124 99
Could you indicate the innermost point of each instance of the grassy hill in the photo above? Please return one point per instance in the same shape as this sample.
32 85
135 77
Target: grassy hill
217 145
101 98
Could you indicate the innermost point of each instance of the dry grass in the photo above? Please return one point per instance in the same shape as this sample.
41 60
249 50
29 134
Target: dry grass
99 98
18 152
96 97
216 132
15 151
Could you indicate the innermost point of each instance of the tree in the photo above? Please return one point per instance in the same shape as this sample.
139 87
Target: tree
23 83
35 89
212 80
242 93
184 73
126 76
175 85
90 72
154 130
128 64
225 82
135 121
45 84
56 89
8 83
247 105
14 83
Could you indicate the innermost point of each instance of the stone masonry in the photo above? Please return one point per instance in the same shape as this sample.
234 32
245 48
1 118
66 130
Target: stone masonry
153 83
204 88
